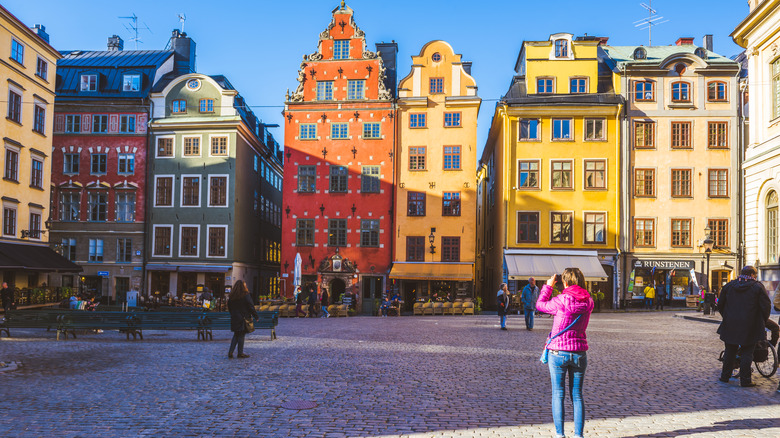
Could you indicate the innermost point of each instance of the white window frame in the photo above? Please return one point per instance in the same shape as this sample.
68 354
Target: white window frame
15 208
585 230
173 191
88 88
173 147
170 241
552 174
227 190
227 145
585 128
200 191
585 174
39 212
571 129
119 160
181 228
517 174
130 75
208 243
538 130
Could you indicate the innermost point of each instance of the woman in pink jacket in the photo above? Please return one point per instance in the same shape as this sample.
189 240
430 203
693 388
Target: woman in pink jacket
567 352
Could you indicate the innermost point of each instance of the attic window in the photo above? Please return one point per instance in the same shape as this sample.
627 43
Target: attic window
640 53
341 49
701 53
680 68
561 49
131 82
88 82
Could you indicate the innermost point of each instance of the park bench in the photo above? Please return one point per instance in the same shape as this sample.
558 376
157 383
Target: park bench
173 321
267 320
69 322
28 319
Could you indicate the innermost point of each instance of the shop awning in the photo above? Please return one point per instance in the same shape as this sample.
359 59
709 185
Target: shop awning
541 266
204 268
34 258
160 267
433 271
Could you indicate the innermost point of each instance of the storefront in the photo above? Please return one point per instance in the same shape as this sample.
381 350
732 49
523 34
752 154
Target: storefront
679 276
431 281
177 280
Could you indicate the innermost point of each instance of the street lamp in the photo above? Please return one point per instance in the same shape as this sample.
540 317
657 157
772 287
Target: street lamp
431 239
708 244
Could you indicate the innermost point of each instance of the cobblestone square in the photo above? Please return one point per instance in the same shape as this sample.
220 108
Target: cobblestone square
649 375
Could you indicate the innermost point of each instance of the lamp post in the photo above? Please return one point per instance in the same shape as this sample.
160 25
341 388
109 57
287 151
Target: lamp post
708 244
431 239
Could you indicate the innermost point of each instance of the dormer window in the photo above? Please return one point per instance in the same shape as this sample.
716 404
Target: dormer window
131 82
179 106
561 49
681 92
88 82
341 49
640 53
701 53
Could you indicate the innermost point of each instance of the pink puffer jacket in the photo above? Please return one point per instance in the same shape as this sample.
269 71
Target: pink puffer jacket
572 302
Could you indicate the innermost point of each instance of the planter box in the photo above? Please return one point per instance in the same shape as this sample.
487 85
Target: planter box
692 301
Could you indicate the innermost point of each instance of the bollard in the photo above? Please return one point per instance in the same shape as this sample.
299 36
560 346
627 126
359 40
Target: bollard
709 298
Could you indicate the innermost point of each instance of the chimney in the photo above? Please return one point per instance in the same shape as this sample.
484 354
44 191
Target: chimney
388 53
708 42
115 44
684 41
40 30
467 67
183 53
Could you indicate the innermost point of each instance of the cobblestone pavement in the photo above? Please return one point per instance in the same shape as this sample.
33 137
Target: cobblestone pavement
649 375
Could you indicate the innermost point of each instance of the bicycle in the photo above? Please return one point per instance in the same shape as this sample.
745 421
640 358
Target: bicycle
766 366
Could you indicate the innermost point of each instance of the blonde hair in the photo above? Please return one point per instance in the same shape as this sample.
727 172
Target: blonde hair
572 276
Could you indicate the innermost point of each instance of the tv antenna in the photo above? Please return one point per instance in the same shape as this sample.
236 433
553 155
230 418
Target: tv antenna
182 19
653 19
134 28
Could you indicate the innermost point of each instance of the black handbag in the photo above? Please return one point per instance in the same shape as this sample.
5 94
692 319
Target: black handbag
249 325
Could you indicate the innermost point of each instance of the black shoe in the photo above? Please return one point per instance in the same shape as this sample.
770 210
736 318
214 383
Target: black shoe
503 328
747 385
230 355
721 379
242 355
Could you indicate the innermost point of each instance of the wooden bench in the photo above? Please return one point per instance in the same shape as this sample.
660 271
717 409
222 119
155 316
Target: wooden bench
176 321
125 322
28 319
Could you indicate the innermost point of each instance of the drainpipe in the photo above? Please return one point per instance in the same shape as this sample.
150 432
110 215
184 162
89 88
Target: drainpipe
623 162
147 210
741 184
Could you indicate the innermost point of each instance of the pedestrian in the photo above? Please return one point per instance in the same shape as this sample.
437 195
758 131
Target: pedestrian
660 295
324 303
529 297
299 306
567 345
312 302
503 304
649 296
7 297
745 307
242 310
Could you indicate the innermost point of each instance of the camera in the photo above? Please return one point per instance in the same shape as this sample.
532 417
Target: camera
558 279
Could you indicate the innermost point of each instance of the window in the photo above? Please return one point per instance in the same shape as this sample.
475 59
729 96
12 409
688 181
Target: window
125 206
100 123
165 147
544 85
11 164
561 49
98 207
716 91
595 228
450 204
162 240
304 232
190 191
644 182
681 183
561 174
126 164
529 129
718 183
356 89
451 120
39 119
69 206
191 146
324 90
127 124
124 250
308 131
9 222
68 249
337 232
206 106
218 191
15 106
340 49
644 232
369 232
776 88
681 135
415 203
219 146
95 250
70 164
371 130
417 158
369 180
34 226
339 131
680 92
36 173
595 174
88 82
98 164
717 135
338 179
771 227
451 157
415 248
307 178
594 129
217 241
643 91
644 134
527 227
188 244
450 249
131 82
528 174
578 85
163 191
17 51
719 232
436 85
640 53
562 129
681 232
417 120
560 227
73 123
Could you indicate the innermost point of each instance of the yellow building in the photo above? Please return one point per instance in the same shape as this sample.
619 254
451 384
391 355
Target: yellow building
28 68
436 157
550 174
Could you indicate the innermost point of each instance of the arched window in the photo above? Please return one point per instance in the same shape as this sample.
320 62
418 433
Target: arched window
771 227
561 49
681 92
701 53
640 53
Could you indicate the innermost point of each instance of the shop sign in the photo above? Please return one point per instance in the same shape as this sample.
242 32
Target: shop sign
665 264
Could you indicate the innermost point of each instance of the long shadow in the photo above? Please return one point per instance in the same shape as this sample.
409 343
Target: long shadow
730 425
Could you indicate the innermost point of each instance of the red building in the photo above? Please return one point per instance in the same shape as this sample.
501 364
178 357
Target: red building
338 185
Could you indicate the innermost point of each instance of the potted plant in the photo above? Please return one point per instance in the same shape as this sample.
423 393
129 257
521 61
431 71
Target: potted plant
478 306
597 296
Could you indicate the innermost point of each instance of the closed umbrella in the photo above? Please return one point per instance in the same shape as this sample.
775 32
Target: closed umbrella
297 270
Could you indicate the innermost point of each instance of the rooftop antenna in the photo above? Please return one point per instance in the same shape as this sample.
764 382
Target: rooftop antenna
653 19
134 28
182 19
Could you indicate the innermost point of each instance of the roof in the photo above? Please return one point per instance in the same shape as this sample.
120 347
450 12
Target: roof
34 258
655 54
518 94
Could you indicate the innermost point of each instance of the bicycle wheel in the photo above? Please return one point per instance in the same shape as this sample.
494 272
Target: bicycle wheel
768 367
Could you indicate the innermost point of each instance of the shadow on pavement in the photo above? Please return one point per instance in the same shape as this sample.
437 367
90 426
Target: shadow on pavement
720 426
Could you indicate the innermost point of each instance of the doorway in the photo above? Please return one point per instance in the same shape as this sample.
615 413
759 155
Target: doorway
122 287
161 283
372 291
409 293
216 283
719 279
336 289
187 282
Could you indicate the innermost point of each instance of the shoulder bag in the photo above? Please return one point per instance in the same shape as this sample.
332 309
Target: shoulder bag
543 358
249 325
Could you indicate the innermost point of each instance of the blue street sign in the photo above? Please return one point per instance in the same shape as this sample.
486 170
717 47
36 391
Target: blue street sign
102 274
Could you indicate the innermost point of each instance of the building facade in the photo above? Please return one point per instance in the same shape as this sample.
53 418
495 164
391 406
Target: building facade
339 145
436 157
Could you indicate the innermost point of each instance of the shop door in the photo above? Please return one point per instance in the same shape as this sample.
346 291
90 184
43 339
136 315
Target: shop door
372 290
409 294
607 287
719 279
187 282
121 288
161 283
216 283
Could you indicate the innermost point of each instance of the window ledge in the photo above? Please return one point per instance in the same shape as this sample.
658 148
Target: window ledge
10 180
15 122
682 105
37 188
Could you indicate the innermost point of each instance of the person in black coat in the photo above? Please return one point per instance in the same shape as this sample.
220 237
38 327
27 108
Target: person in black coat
7 297
502 301
745 307
241 308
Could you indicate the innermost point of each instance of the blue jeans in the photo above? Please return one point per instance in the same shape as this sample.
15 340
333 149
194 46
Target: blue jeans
238 340
529 317
503 321
573 364
649 303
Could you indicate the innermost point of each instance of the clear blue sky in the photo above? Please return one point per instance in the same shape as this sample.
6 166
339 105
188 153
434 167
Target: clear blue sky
258 44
